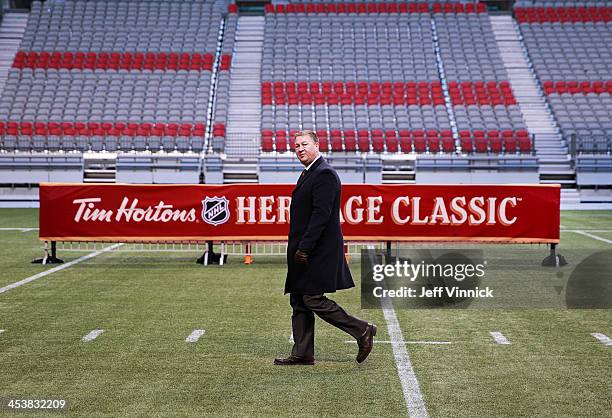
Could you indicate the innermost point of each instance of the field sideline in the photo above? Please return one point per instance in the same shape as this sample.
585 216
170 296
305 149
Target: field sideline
147 304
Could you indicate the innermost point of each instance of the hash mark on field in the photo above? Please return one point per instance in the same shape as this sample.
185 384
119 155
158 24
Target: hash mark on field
602 338
195 335
598 238
406 342
499 338
92 335
58 268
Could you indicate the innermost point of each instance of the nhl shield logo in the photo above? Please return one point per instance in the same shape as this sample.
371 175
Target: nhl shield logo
215 210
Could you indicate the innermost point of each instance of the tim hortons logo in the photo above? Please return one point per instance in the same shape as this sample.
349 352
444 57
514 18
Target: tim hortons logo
130 212
215 210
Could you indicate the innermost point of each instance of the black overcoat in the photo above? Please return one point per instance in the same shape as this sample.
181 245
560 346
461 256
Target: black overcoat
315 229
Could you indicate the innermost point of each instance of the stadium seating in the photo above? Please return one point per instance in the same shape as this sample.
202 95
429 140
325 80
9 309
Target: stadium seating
114 76
482 98
569 45
372 75
371 81
122 26
376 77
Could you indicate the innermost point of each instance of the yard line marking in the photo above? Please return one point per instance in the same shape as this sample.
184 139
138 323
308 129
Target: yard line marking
195 335
499 338
58 268
561 226
586 234
29 229
291 340
92 335
410 385
19 229
406 342
602 338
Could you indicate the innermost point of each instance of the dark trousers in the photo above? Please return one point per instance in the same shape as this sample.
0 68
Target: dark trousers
302 321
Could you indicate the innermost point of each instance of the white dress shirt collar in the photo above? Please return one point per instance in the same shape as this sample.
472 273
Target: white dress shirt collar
313 161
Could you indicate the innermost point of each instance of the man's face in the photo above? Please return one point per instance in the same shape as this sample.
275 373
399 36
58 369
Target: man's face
306 149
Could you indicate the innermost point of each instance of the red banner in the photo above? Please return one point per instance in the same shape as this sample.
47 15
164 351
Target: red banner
100 212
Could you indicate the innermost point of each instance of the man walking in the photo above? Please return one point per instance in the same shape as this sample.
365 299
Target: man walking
315 257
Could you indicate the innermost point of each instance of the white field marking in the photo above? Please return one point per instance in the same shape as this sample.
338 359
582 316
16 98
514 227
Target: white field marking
499 338
30 229
410 385
561 226
58 268
586 229
591 215
602 338
92 335
291 340
1 331
598 238
19 229
195 335
406 342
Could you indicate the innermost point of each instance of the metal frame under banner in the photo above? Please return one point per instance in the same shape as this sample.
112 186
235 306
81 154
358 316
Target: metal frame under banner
250 249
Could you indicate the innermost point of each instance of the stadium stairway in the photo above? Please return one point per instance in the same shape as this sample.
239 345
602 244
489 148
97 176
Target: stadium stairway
12 29
244 112
549 145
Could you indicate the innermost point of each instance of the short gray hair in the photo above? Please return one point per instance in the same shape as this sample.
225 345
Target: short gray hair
307 132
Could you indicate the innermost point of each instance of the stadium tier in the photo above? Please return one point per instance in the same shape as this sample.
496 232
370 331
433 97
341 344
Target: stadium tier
375 80
115 76
374 68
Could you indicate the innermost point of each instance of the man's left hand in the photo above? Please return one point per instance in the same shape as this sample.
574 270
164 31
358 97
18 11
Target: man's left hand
301 257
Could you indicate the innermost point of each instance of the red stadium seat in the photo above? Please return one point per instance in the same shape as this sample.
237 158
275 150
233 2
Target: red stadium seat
494 141
524 144
405 144
266 144
363 144
378 144
467 144
392 144
433 141
323 144
350 143
336 144
418 141
281 144
510 144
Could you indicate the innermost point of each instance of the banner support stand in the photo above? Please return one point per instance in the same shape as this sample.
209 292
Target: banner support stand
554 259
49 258
388 255
210 257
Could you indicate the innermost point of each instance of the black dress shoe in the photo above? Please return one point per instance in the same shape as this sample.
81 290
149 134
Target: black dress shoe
365 343
294 361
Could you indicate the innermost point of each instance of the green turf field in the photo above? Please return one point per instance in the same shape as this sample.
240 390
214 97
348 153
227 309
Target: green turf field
148 303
